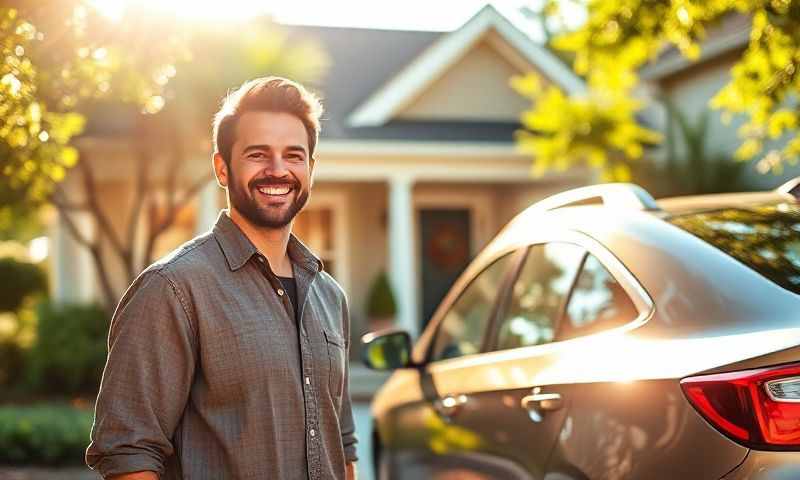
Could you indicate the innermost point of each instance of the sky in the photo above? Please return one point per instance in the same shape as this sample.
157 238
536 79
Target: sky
437 15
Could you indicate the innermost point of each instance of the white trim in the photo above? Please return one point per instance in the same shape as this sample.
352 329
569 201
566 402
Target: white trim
72 270
401 147
541 57
402 271
509 53
470 170
385 102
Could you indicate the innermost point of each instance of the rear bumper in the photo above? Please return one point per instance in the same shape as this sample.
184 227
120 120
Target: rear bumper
760 465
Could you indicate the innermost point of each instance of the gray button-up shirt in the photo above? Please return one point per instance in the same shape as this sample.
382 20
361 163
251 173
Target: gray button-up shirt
208 376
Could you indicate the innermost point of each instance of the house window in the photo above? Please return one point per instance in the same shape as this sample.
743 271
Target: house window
314 227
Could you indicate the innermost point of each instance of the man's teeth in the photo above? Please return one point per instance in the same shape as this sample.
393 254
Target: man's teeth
282 190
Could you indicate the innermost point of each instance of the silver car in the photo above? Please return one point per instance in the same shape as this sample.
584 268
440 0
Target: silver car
604 335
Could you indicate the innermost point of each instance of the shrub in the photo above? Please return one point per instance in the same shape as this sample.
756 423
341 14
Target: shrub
11 363
70 349
17 331
43 434
380 301
19 280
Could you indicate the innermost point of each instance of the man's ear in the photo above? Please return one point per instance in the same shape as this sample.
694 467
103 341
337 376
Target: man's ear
220 169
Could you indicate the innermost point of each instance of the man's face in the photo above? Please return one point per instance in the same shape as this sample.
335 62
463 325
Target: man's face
270 173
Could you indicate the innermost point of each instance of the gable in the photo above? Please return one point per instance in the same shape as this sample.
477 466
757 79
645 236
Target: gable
413 81
474 88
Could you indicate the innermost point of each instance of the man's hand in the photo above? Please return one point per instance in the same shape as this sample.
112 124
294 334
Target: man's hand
351 471
138 476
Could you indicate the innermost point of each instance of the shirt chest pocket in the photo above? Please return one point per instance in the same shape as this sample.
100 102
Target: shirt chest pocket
337 358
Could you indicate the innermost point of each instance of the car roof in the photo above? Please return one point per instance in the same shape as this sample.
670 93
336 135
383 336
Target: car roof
681 272
702 203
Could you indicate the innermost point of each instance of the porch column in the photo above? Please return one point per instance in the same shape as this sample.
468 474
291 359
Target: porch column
72 271
208 207
401 253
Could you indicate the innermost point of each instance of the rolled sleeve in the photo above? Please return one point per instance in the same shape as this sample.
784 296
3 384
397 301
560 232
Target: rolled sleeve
146 380
346 422
122 463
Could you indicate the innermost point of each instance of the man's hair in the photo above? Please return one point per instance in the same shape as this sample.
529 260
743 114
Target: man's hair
267 94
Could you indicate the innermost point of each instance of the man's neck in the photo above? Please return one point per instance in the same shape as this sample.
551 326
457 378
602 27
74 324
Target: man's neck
271 242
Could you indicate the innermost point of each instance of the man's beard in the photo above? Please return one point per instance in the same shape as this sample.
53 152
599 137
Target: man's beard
263 216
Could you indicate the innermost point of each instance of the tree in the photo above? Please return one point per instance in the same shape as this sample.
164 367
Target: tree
56 57
599 130
163 76
619 37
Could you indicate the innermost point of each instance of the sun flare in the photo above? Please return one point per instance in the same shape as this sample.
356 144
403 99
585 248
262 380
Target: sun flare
192 9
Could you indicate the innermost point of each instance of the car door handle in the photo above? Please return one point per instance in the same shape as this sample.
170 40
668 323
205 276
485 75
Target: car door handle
542 401
450 405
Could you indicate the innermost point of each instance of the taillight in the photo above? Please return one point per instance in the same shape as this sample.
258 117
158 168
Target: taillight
758 408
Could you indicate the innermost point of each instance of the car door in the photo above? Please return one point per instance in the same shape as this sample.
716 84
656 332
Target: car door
494 425
617 427
421 439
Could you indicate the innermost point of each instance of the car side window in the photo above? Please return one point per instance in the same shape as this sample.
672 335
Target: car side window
463 327
598 302
538 295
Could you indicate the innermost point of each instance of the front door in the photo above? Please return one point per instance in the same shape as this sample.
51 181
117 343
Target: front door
445 245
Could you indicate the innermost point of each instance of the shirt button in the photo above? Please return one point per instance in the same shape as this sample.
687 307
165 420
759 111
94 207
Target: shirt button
312 432
280 292
308 381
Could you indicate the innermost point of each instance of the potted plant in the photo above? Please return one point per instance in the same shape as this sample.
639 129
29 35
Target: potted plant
381 307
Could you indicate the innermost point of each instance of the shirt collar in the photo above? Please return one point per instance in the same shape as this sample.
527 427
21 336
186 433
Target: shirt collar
238 249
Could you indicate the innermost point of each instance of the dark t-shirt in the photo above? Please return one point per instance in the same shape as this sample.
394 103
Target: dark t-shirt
290 285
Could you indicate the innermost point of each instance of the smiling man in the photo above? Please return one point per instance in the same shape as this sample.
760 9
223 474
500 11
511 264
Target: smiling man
228 358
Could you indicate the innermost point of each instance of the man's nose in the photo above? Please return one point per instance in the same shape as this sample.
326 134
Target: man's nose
277 164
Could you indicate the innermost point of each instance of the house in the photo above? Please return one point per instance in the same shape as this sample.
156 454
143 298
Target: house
416 169
690 85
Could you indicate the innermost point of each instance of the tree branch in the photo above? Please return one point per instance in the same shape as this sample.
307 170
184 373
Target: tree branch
67 205
94 248
172 212
94 206
139 200
177 157
63 210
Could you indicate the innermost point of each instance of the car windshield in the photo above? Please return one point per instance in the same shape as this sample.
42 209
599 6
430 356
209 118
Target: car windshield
765 238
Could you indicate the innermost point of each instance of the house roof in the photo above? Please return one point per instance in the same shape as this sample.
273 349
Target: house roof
362 60
731 33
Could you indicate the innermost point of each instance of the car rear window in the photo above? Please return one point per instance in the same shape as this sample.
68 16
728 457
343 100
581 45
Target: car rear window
765 238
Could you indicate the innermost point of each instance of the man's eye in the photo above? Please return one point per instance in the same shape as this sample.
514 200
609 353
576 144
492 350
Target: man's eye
256 155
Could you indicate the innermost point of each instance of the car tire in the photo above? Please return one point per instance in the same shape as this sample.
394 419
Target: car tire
380 460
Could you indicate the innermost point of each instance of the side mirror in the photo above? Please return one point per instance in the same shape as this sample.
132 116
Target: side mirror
387 350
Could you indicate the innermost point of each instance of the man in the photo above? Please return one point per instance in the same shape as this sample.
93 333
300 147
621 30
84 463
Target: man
228 358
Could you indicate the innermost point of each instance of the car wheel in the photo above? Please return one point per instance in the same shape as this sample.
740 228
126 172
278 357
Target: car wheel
380 460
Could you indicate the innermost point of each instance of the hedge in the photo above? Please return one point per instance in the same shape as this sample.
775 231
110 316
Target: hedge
70 349
19 280
44 434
